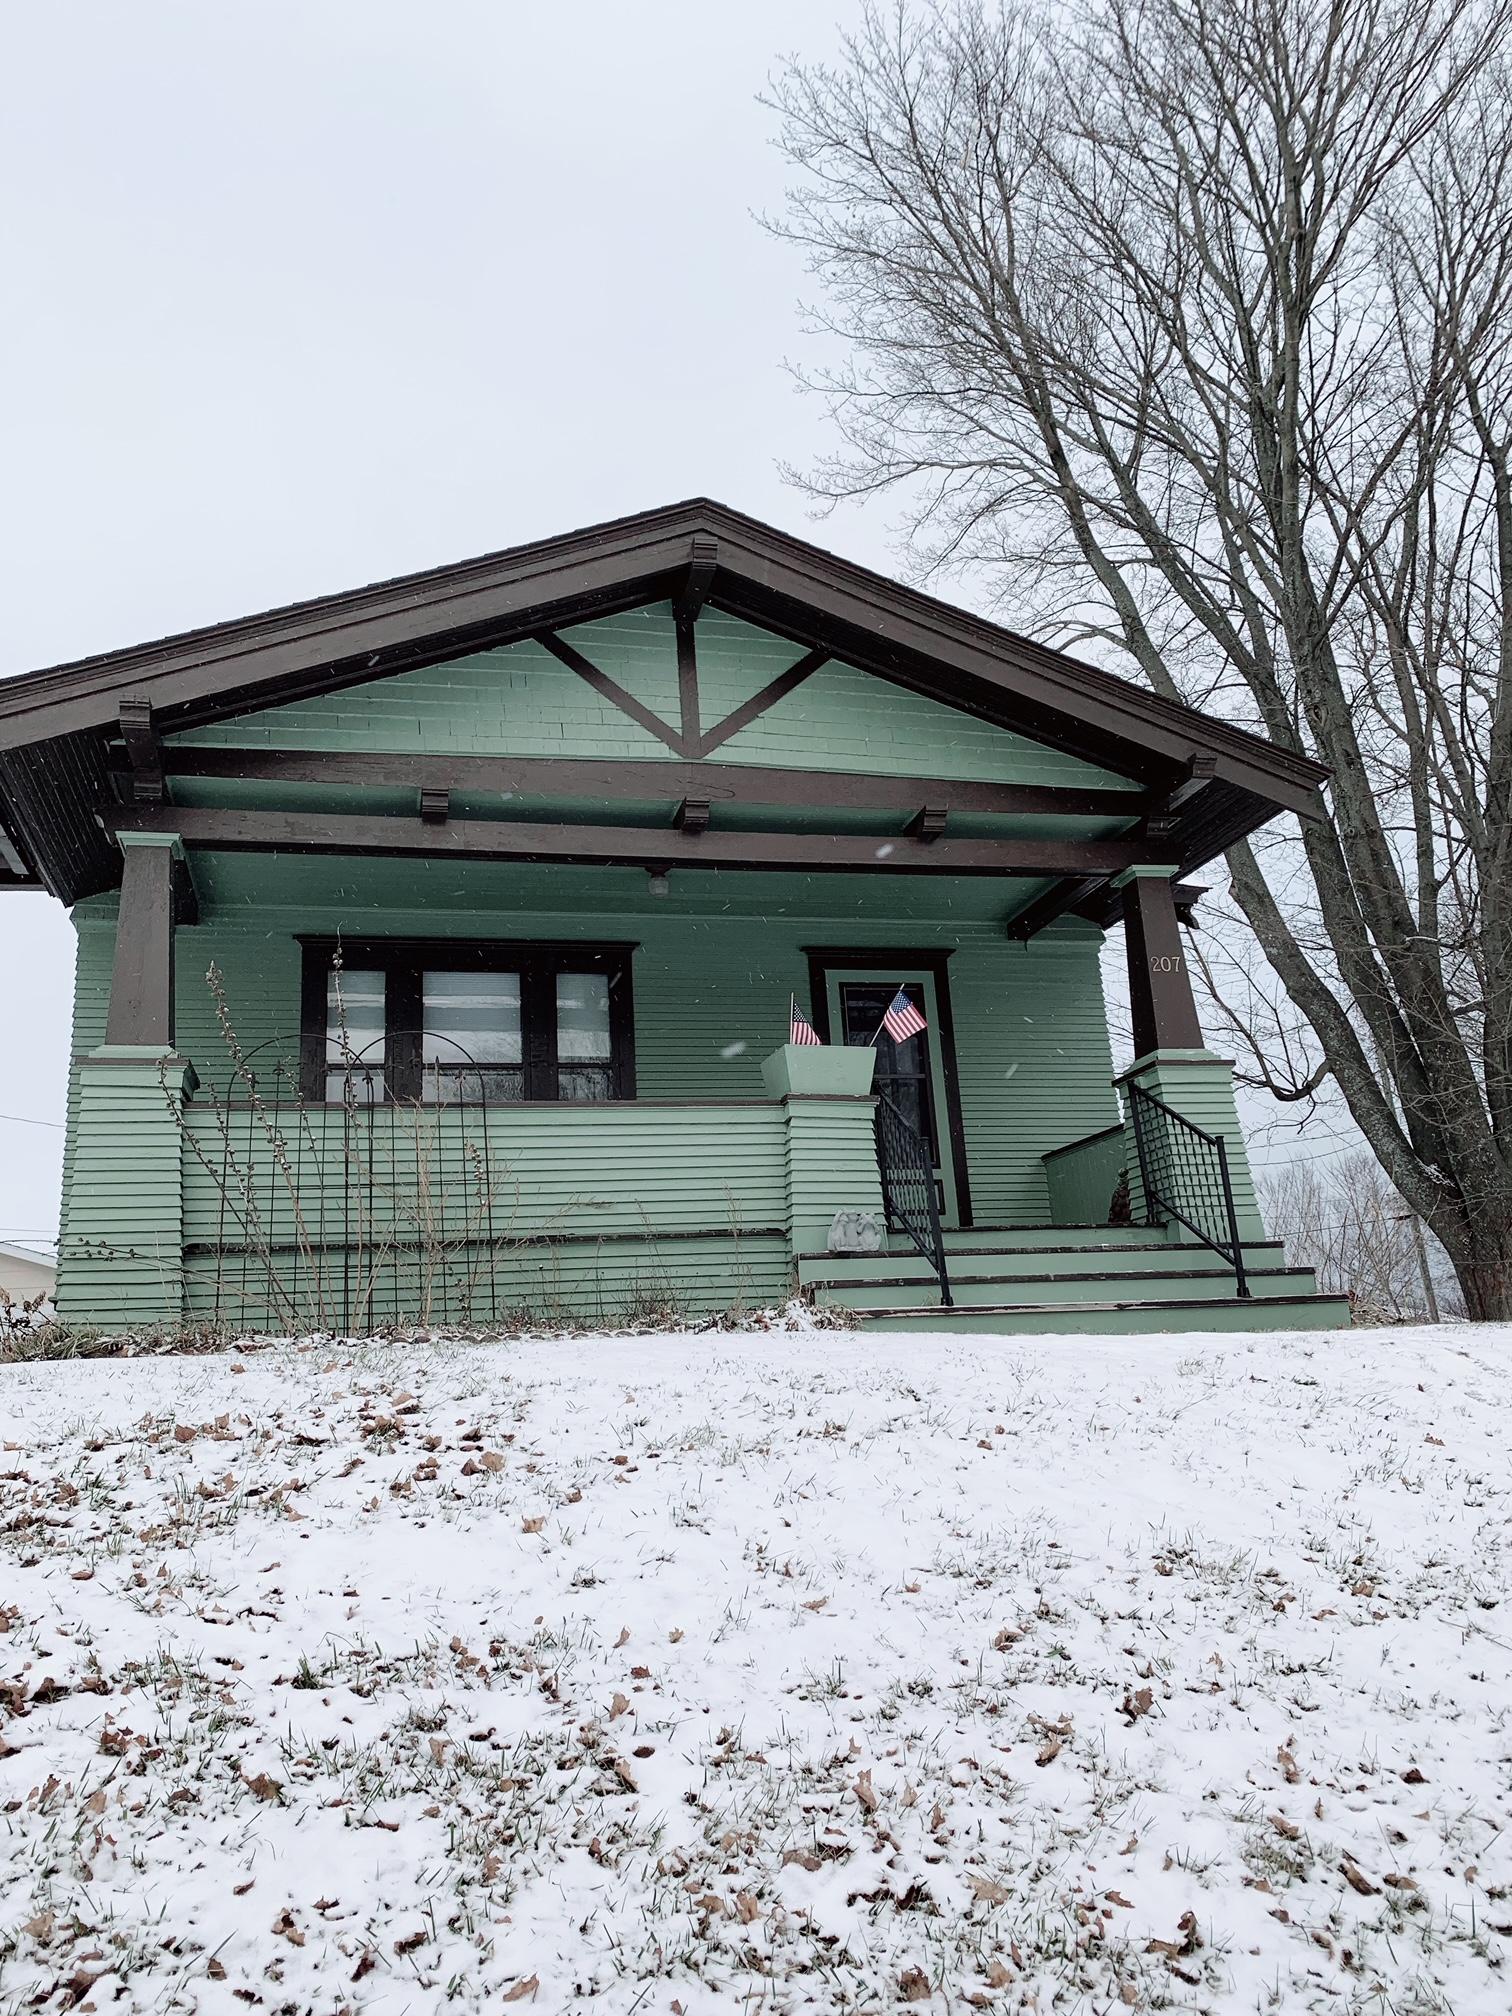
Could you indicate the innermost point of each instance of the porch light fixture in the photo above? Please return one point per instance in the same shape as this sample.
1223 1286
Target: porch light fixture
657 883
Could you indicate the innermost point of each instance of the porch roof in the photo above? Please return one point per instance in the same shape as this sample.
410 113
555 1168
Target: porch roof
67 733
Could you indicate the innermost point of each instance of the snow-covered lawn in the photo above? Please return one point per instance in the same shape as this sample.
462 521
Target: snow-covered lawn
763 1672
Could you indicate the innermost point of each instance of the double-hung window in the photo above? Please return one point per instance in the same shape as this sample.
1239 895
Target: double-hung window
447 1023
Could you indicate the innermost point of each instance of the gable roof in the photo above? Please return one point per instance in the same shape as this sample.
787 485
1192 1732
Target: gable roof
56 725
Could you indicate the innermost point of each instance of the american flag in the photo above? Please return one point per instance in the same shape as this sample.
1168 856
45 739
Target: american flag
902 1019
802 1030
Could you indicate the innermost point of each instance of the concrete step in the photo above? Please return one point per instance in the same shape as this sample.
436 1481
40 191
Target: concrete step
1171 1284
965 1263
1121 1319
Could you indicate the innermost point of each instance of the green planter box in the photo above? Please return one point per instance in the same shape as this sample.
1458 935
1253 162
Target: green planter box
831 1069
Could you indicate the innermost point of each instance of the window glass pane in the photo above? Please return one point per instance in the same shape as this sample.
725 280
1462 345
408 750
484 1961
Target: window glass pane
354 1019
362 1086
579 1084
458 1085
582 1019
471 1019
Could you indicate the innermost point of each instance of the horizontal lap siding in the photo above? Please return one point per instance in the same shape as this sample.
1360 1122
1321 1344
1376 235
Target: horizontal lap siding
711 1001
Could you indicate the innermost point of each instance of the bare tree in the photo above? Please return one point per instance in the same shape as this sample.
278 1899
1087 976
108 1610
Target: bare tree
1186 321
1346 1222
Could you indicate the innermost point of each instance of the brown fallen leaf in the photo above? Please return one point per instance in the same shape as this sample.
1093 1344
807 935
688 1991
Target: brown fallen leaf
533 1525
1412 1776
521 1989
264 1787
623 1638
1287 1828
998 1975
618 1706
747 1909
864 1792
1049 1751
802 1858
1135 1705
913 1985
1358 1881
985 1889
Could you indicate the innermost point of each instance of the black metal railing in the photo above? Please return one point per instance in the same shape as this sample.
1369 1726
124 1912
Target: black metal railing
908 1187
1185 1174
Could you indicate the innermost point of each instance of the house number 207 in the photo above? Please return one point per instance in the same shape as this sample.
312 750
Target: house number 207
1169 962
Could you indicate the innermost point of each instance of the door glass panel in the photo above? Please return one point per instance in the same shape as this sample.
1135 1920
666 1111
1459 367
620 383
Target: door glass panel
354 1037
902 1071
471 1046
584 1054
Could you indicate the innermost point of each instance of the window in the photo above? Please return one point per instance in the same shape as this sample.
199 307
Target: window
354 1036
448 1023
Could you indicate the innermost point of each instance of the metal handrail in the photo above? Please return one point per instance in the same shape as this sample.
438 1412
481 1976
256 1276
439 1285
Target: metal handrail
1185 1174
908 1187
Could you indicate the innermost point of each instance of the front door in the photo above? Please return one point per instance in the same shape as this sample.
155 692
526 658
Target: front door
907 1073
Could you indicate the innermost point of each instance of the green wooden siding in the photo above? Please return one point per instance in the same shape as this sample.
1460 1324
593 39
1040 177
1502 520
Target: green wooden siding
522 701
711 1001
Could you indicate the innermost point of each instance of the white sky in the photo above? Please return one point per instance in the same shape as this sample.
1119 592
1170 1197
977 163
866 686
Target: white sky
304 293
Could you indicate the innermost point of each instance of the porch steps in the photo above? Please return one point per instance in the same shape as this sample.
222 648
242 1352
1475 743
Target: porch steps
1061 1278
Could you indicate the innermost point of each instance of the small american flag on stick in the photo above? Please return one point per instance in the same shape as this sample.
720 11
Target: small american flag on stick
801 1030
902 1019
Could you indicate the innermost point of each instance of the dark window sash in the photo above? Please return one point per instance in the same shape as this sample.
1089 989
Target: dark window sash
404 963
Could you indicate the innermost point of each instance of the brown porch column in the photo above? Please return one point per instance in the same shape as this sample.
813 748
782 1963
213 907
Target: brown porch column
1160 985
153 885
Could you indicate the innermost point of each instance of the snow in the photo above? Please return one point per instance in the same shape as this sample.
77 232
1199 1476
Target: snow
714 1672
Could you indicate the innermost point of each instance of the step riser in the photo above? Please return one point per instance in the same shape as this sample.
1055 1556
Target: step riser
1322 1313
1025 1238
1208 1287
839 1272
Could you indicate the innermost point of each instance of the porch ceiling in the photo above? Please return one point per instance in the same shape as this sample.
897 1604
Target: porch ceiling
396 895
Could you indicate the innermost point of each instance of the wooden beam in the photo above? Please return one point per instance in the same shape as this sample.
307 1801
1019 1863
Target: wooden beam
435 804
693 815
612 691
622 846
694 592
1067 895
651 778
144 750
928 823
758 704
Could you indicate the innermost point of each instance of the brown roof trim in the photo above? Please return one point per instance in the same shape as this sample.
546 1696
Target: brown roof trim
387 625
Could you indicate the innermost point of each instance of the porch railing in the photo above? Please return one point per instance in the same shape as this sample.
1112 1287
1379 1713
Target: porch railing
908 1187
1185 1174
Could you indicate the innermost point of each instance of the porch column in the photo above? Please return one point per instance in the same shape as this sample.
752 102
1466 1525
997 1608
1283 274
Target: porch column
1160 986
121 1254
1170 1060
141 983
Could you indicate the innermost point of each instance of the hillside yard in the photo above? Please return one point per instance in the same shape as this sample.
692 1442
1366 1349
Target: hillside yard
761 1672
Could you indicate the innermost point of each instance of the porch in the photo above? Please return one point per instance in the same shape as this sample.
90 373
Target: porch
320 1144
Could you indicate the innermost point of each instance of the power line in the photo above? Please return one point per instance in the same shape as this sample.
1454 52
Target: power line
24 1120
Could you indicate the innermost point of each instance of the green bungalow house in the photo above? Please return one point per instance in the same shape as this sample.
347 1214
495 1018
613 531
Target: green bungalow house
442 944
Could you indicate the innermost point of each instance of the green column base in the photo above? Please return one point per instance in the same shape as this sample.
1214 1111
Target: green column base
831 1146
1200 1087
121 1256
